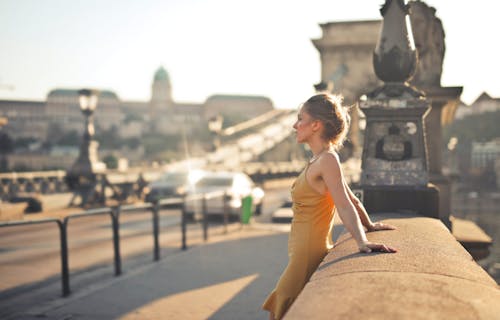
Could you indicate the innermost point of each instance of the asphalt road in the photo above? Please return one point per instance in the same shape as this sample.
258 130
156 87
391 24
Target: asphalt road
30 265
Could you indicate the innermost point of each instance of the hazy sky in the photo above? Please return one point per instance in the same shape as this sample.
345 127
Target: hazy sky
258 47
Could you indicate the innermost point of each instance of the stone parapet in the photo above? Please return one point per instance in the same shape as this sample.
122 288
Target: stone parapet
430 277
11 211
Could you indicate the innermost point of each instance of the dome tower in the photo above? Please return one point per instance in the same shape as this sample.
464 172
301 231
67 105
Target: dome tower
161 92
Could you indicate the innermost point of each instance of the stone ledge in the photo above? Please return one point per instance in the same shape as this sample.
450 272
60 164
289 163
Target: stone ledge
11 211
471 237
431 277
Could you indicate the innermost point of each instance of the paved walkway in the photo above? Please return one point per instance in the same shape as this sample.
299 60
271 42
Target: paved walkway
227 278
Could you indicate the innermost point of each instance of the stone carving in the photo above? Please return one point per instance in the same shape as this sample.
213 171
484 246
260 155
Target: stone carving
394 146
429 36
394 152
395 57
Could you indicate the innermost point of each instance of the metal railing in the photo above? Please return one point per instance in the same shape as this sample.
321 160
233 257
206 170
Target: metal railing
115 212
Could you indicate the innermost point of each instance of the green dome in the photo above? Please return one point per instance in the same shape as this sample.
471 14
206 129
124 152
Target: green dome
161 75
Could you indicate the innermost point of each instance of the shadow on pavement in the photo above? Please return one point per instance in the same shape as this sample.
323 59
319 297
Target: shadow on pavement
222 280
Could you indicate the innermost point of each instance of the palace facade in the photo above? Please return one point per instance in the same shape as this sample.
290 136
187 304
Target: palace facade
161 114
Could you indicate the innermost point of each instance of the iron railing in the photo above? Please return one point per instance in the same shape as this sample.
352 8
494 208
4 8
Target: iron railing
114 214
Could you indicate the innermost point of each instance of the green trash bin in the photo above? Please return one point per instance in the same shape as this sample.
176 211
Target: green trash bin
246 209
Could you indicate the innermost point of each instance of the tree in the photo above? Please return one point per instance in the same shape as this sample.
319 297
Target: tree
111 161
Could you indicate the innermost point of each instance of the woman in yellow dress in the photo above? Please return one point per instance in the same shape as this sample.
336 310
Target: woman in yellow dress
320 189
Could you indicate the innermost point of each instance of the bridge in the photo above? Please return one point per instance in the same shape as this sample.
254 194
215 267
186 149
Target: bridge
241 149
431 264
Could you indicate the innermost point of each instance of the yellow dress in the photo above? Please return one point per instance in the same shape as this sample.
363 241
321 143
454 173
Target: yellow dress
308 243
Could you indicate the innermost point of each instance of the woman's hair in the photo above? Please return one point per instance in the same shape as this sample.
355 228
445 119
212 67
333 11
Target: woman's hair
335 117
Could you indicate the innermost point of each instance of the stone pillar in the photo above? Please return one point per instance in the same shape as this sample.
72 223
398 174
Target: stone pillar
441 98
395 171
429 37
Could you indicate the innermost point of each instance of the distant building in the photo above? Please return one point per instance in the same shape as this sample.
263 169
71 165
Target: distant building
463 110
346 54
485 154
485 164
60 114
131 118
62 108
25 118
483 103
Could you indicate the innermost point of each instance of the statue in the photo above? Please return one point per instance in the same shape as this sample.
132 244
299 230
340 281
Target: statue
429 36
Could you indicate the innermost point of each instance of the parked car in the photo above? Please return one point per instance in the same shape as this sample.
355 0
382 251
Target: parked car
284 213
236 185
171 185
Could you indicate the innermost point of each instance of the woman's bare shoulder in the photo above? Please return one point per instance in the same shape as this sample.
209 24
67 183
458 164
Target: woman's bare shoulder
331 156
333 153
330 160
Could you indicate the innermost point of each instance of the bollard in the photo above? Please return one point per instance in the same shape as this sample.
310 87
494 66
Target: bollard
156 211
225 203
115 223
205 217
183 223
64 257
102 199
246 209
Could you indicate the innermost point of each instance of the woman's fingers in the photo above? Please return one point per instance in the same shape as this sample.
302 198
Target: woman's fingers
377 247
382 226
385 248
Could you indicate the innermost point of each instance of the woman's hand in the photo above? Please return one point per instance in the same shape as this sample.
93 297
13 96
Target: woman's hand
368 247
377 226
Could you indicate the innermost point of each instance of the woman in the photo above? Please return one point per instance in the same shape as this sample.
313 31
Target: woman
322 124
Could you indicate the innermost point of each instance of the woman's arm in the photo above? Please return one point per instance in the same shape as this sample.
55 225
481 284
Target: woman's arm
360 209
363 215
334 180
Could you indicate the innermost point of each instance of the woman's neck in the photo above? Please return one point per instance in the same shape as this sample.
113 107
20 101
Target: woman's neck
317 147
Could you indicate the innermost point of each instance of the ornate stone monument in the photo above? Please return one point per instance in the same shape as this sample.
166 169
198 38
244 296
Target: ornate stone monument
430 42
394 161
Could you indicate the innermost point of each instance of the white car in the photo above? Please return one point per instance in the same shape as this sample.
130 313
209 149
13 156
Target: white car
284 213
236 185
172 184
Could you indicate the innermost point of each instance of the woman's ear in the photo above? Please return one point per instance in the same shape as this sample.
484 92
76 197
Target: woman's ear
317 125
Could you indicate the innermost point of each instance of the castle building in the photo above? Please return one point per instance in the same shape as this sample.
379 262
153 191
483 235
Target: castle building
25 119
161 114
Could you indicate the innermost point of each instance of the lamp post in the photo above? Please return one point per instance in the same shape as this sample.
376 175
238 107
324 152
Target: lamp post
215 127
6 145
81 176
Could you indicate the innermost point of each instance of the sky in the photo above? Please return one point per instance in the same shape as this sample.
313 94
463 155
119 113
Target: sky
258 47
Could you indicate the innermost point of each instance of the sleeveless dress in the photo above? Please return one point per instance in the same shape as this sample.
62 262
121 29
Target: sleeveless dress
308 243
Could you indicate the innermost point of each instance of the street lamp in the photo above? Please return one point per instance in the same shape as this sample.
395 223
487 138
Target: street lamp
215 127
81 176
88 103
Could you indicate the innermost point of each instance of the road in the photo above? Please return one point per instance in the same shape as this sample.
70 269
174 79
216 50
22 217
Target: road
30 262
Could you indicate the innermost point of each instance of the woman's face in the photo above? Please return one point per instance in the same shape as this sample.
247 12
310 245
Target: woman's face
303 126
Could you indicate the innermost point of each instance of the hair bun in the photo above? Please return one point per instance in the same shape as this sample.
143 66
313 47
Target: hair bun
328 109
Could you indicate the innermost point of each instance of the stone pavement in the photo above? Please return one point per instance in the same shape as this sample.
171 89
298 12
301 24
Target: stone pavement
226 278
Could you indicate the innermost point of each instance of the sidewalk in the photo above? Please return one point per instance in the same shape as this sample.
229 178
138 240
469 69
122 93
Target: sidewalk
227 278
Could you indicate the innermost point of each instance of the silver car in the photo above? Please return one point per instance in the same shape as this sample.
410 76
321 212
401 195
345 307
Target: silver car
171 185
235 185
